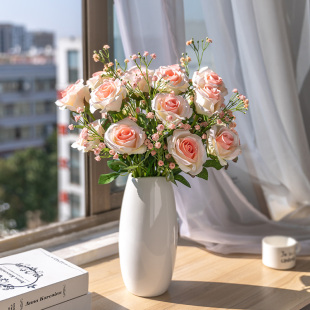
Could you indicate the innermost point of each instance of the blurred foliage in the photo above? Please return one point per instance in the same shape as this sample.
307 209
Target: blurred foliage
28 182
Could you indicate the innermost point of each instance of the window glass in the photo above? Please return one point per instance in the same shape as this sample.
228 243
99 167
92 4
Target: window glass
10 86
7 135
120 182
9 110
35 66
44 85
75 206
118 45
73 66
26 132
74 165
39 107
23 109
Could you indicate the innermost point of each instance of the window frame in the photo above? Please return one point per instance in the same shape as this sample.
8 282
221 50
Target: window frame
98 15
102 205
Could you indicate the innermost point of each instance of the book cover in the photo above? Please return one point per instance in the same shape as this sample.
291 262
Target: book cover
37 279
79 303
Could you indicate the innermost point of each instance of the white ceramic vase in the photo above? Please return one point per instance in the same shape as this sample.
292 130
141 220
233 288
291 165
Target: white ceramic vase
148 235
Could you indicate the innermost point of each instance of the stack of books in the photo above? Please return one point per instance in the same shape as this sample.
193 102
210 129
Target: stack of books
37 280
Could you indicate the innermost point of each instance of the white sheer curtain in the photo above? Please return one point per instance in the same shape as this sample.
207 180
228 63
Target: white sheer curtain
256 41
153 26
253 52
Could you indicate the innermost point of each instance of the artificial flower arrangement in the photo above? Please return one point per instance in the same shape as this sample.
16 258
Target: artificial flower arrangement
155 122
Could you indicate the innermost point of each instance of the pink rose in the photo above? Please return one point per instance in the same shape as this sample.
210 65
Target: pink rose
187 150
88 140
108 96
209 91
126 137
138 78
208 100
171 109
73 96
223 143
96 79
206 76
171 78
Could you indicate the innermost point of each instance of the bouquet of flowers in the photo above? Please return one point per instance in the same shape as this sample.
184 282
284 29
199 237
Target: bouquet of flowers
155 122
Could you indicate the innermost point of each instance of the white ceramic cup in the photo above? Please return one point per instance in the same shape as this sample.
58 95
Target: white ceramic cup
279 252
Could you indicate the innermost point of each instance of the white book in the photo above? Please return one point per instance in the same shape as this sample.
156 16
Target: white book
37 279
79 303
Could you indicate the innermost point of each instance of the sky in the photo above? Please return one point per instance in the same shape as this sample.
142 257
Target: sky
60 16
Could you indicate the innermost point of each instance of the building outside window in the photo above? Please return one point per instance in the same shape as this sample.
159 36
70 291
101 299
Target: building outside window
44 85
70 161
21 104
74 165
23 108
73 66
7 135
41 84
10 86
75 205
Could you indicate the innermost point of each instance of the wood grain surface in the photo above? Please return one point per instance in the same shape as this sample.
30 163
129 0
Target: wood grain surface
203 280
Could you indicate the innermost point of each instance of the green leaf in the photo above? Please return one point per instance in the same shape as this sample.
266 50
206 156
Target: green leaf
116 165
213 163
79 126
150 166
203 174
177 171
182 180
108 178
106 124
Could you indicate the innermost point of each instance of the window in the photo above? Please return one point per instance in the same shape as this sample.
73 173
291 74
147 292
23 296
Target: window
72 66
49 107
26 132
102 202
11 86
39 107
15 109
71 120
23 109
74 165
7 135
75 206
39 131
44 85
45 107
9 110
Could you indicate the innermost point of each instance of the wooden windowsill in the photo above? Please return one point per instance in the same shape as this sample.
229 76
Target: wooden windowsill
205 280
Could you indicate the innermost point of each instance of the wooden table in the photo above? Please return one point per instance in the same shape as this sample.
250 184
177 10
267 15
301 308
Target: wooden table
203 280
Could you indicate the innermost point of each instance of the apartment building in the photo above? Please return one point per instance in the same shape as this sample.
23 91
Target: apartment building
27 109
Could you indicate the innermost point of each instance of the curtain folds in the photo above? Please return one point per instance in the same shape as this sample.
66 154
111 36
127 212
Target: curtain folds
155 26
262 48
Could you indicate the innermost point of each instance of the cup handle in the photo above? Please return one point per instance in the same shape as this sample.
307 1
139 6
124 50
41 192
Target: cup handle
298 247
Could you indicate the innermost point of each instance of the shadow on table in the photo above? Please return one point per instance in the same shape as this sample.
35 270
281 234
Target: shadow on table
100 302
225 295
